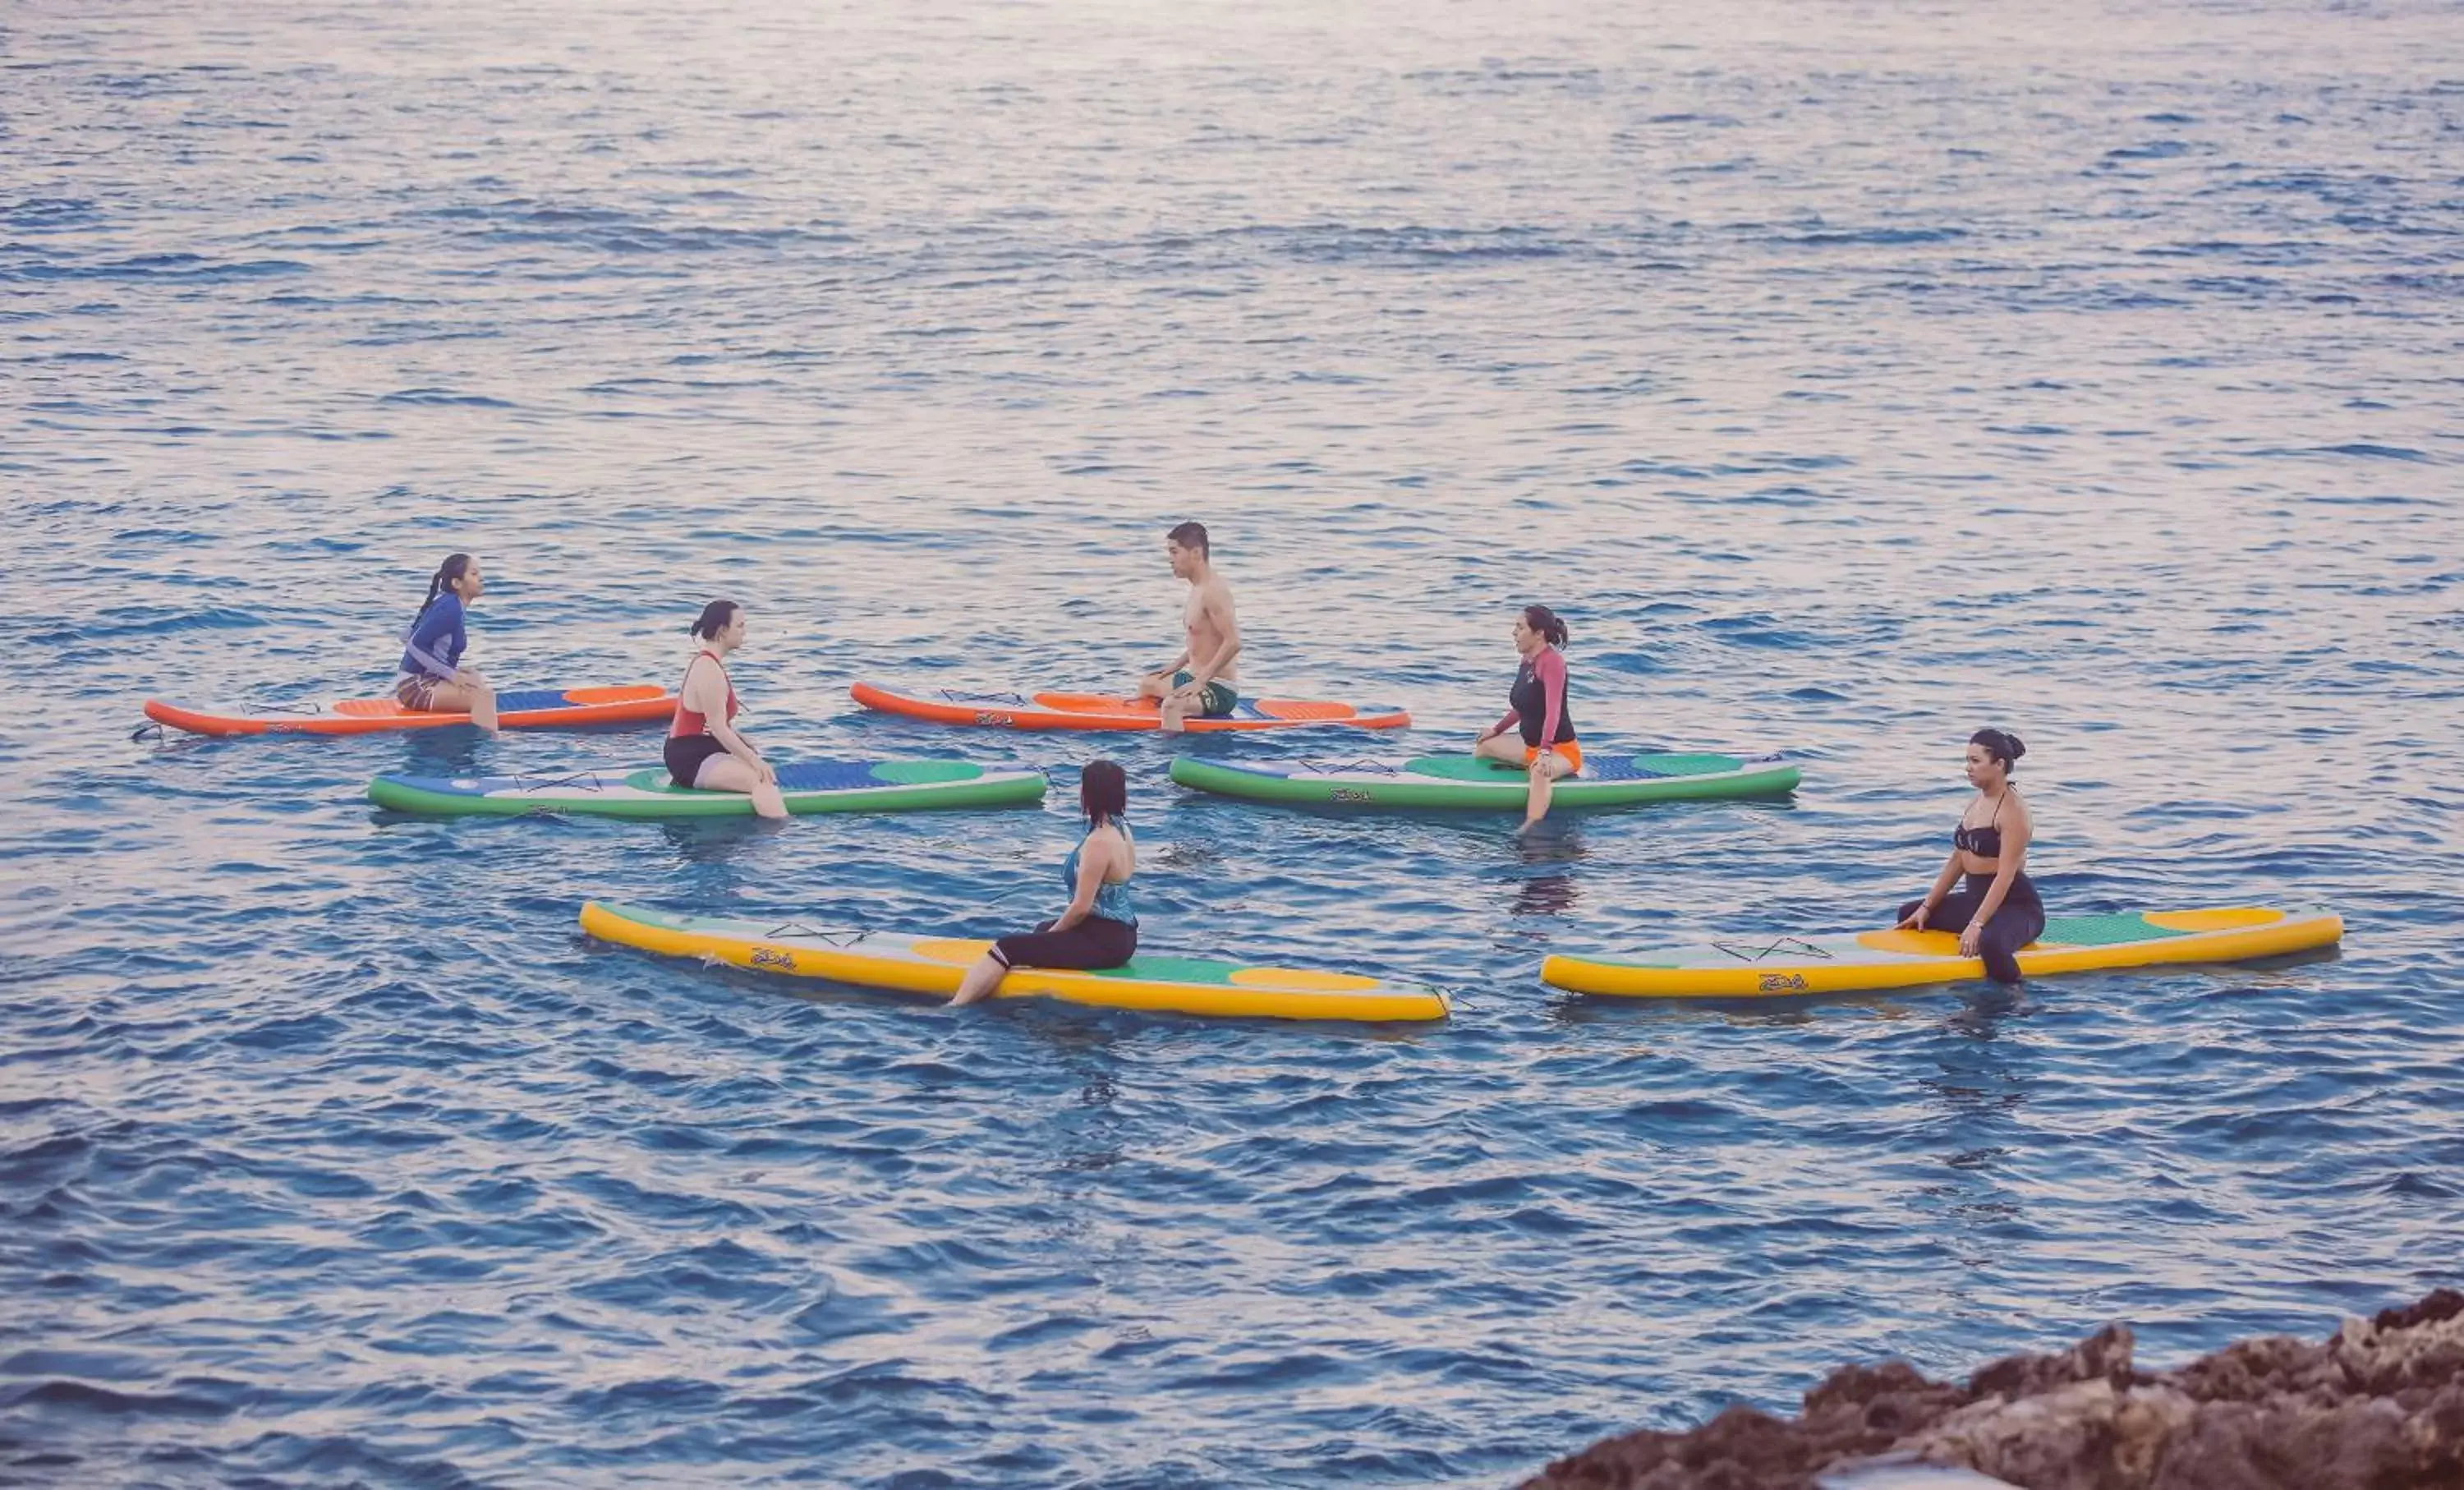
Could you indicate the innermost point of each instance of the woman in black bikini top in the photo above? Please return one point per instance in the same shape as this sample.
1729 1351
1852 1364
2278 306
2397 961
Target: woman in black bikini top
1996 912
1985 843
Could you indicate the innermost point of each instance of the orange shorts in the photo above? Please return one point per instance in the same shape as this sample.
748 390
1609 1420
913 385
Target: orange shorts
1571 749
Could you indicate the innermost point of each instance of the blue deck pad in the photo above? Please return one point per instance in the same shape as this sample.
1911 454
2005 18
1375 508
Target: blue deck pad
522 699
828 775
1618 768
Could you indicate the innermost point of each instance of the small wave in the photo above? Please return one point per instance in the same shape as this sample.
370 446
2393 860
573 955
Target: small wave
444 397
1337 244
1756 631
183 267
160 621
2153 150
615 233
58 1394
2374 451
2358 449
35 215
1878 237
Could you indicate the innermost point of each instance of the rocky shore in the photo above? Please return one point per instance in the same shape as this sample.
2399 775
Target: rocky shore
2379 1405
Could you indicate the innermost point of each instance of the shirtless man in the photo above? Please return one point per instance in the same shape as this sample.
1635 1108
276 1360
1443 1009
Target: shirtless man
1200 680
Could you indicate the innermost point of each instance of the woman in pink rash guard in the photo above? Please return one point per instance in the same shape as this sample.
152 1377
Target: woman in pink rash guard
1545 745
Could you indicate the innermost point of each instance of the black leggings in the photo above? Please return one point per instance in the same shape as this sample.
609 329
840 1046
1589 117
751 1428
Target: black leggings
1094 943
2021 920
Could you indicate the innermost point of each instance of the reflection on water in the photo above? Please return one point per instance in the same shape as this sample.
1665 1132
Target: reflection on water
1982 1083
1984 1005
1549 851
453 750
718 842
1546 895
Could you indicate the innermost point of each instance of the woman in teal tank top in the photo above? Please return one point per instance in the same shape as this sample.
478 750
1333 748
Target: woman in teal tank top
1100 928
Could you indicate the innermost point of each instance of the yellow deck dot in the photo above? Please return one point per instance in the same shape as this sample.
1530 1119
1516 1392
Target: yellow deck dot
2226 918
1916 944
951 948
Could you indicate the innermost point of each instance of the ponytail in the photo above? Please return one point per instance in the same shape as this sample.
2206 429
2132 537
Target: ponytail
1543 619
715 618
454 567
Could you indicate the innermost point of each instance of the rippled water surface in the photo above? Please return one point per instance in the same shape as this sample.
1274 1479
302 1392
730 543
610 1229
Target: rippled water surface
1849 376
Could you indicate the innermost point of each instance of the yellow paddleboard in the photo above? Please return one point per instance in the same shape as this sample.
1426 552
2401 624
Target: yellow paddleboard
1749 967
932 965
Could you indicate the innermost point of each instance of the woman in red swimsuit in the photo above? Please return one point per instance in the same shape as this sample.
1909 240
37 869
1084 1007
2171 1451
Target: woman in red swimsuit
704 749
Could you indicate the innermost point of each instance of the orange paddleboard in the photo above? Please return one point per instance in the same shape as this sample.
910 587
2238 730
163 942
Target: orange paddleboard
525 709
1005 711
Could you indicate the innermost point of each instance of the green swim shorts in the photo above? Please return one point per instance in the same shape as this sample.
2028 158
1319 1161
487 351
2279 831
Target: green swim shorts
1217 697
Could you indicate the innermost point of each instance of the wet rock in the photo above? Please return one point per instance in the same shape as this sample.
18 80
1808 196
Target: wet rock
2377 1405
2104 1356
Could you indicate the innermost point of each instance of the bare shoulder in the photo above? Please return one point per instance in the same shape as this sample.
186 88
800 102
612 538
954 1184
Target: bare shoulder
1218 593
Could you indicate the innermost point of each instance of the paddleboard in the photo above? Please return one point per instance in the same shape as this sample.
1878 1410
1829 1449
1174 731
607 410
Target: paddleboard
933 965
806 786
1467 781
520 709
1057 710
1746 967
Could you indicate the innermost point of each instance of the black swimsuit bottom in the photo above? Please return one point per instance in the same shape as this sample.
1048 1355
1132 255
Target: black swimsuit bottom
687 753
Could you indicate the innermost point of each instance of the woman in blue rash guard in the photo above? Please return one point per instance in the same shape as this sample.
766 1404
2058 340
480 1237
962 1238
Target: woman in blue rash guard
434 679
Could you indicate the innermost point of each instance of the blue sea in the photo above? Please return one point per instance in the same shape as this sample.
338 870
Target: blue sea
1849 376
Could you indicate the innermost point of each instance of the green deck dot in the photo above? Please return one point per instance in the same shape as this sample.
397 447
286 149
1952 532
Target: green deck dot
1174 970
2104 931
1688 765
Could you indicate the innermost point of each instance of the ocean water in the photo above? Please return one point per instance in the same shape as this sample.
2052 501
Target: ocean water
1849 376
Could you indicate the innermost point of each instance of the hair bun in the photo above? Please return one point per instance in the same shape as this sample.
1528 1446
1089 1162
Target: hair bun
2004 745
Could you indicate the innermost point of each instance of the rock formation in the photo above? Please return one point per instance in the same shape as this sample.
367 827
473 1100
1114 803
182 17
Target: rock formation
2379 1405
